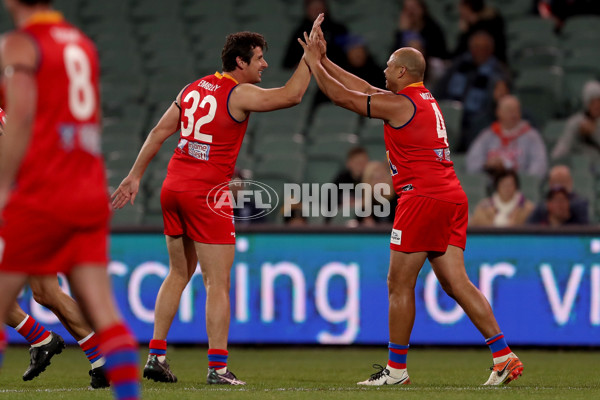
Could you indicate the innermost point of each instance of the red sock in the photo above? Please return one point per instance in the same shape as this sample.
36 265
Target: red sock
158 347
32 331
2 345
121 353
217 358
91 347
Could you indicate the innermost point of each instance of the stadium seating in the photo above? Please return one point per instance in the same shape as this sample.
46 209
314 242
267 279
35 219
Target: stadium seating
539 90
149 51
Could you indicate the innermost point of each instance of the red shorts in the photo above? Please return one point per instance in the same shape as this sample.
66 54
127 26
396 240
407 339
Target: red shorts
189 213
426 224
37 245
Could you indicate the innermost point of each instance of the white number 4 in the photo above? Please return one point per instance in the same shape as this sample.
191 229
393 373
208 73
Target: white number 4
440 124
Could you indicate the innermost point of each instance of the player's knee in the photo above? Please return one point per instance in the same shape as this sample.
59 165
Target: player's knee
396 284
217 283
449 287
44 297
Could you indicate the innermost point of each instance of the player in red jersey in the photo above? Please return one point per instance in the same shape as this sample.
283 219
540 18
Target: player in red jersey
53 198
45 344
212 114
432 211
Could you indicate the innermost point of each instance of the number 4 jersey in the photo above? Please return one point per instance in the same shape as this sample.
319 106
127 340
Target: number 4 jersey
210 137
418 152
62 173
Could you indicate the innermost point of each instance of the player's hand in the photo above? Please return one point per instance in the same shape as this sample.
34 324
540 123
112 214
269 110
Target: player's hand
312 50
316 33
587 127
316 28
125 193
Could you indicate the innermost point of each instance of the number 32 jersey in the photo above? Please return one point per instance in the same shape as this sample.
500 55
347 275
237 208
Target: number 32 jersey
62 173
418 152
210 137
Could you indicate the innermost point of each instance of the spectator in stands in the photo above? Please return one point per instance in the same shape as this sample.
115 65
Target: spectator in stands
356 162
418 29
508 143
378 172
334 33
507 206
582 131
360 61
292 214
558 206
476 16
415 23
560 176
245 211
560 10
472 79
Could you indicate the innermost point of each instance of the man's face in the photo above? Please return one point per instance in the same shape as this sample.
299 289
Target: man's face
509 112
391 73
594 108
257 65
481 47
356 164
558 206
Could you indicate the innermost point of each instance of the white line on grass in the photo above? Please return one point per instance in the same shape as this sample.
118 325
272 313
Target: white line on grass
299 389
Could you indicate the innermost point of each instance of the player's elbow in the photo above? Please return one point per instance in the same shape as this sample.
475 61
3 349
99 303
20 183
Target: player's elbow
295 99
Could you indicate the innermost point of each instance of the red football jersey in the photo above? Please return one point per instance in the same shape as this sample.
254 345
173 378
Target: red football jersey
418 151
62 173
2 117
210 137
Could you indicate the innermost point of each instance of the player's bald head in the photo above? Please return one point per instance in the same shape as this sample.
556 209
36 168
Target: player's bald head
412 59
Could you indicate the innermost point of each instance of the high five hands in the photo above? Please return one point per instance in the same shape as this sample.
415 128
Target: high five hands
314 45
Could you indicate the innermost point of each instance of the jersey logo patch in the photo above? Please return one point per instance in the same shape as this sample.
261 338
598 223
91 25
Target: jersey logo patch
396 237
199 150
442 154
393 169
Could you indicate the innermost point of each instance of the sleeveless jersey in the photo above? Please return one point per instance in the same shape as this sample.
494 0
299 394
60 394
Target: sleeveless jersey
210 137
62 173
418 151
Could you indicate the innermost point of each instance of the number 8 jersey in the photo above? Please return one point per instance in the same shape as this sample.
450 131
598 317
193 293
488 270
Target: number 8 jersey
210 137
62 173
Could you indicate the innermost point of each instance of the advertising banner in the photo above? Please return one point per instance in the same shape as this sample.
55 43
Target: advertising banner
330 288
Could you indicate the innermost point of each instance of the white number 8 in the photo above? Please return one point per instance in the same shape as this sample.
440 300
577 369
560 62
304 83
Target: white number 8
82 99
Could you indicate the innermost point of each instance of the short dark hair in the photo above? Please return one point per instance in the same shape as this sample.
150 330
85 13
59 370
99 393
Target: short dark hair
356 150
504 174
241 44
34 2
474 5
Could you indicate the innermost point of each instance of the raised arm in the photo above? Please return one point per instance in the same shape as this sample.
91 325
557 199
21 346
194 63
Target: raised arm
129 187
247 97
397 110
349 80
18 55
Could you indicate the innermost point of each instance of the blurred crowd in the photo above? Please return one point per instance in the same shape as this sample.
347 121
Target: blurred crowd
499 136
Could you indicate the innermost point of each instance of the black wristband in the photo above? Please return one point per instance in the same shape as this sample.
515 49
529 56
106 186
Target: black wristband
369 106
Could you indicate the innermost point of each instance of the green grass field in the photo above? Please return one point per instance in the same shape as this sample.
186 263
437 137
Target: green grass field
323 373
